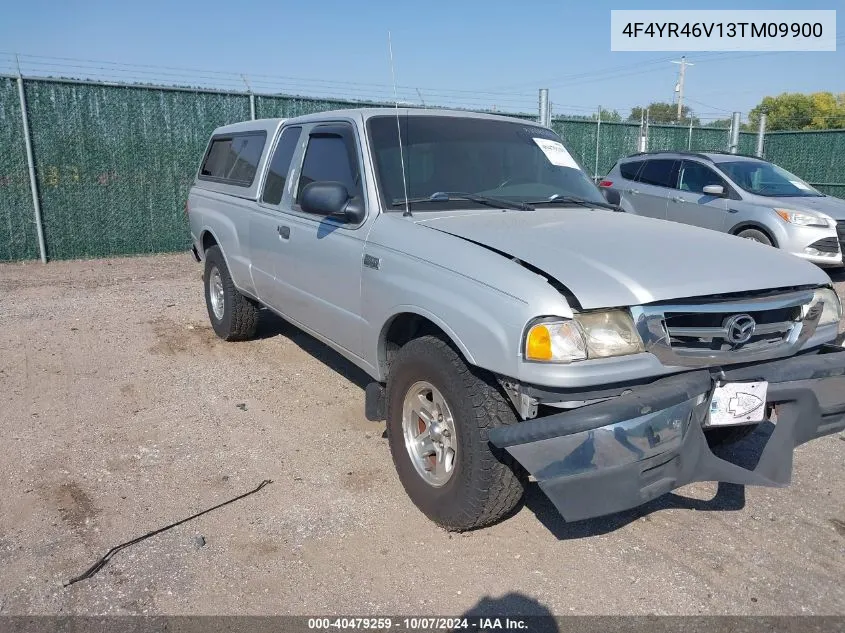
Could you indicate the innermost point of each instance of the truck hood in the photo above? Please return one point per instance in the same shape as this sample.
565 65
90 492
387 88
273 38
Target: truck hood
611 259
834 207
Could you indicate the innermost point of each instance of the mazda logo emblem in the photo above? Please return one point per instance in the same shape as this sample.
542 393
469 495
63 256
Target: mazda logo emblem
739 328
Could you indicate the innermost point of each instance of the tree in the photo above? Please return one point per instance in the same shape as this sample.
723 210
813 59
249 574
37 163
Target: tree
796 111
660 112
720 123
607 116
611 116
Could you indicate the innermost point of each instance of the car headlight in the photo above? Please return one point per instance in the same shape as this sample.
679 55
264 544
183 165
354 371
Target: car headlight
832 311
588 335
799 218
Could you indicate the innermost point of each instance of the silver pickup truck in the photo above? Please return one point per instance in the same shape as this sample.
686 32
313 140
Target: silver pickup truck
513 322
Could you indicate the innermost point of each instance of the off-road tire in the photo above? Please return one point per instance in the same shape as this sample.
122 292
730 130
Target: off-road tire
728 434
240 314
757 236
487 484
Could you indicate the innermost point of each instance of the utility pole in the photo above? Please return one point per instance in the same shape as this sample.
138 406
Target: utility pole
679 88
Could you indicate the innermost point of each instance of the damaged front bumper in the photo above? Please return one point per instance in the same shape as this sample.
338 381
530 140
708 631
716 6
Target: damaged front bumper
621 453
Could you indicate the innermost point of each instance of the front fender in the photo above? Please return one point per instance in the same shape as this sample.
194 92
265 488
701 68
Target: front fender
477 297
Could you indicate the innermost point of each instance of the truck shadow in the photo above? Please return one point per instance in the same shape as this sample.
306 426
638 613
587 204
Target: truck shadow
520 611
272 325
728 497
836 274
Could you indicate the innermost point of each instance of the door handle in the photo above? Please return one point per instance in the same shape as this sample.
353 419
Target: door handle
678 199
284 231
634 191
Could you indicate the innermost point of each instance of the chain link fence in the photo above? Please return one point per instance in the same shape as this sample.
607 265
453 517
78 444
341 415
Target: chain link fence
114 162
818 157
18 239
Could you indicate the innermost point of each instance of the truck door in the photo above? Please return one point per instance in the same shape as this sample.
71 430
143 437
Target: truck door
323 261
267 243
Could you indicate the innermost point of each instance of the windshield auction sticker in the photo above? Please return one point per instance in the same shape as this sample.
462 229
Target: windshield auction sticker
728 30
556 153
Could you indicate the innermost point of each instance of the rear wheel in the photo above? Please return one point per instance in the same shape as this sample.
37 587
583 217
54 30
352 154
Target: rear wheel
439 412
233 316
755 236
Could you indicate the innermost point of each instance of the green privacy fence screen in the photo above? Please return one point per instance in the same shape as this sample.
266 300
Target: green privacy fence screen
18 239
621 139
818 157
114 162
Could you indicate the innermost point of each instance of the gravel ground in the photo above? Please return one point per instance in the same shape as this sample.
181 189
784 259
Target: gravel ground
121 412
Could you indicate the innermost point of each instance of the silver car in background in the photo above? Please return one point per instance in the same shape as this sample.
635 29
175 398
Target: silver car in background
740 195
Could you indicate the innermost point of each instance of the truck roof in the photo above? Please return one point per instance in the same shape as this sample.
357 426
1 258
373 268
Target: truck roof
363 114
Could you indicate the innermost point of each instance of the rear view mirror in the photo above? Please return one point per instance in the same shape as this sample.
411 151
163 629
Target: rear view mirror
612 196
714 190
332 199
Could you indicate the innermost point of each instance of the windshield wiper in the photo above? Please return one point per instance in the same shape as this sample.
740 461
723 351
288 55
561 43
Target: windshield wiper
574 200
449 196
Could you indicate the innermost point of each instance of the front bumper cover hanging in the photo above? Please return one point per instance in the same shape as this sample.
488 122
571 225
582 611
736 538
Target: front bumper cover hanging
621 453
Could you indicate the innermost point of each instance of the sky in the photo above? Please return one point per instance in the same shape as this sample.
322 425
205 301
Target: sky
466 53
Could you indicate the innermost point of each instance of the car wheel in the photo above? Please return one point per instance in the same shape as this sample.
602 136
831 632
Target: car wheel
233 316
439 412
755 236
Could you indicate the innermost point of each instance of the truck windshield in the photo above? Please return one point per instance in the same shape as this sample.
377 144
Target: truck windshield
765 179
508 161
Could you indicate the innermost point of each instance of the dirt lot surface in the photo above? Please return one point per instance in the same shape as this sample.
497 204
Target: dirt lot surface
121 412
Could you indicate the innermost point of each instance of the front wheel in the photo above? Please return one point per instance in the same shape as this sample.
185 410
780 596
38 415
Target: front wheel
439 412
755 236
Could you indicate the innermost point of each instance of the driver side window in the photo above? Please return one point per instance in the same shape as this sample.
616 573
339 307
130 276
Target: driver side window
694 177
331 156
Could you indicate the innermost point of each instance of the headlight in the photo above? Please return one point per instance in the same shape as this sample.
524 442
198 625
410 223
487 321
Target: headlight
832 311
556 341
800 218
589 335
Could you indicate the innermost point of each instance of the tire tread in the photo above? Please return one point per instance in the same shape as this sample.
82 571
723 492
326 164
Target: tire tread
501 488
244 312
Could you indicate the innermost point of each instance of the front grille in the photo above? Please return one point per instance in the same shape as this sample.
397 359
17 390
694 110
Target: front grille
827 245
709 330
840 231
728 329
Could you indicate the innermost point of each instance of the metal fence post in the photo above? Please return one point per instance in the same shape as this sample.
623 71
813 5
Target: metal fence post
598 131
689 136
761 135
733 147
251 98
544 107
30 163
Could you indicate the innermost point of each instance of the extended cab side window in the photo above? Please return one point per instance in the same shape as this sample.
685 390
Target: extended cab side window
233 159
661 172
331 156
277 174
694 177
